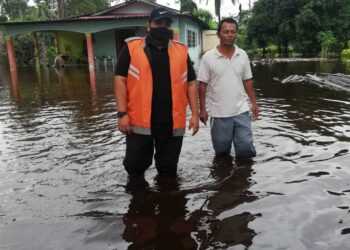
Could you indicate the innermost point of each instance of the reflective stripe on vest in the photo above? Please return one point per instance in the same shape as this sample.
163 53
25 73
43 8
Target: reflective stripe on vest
140 87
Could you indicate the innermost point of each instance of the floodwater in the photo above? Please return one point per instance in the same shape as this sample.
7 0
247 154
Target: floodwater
63 186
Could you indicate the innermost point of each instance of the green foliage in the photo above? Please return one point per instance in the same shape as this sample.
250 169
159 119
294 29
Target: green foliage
345 55
18 10
3 54
304 24
51 54
242 37
3 19
308 25
243 17
24 49
80 7
188 6
15 9
206 17
327 41
272 49
40 13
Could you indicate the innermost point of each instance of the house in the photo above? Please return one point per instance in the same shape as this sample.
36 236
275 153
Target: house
100 36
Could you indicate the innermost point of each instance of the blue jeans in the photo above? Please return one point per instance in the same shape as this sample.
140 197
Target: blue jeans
237 130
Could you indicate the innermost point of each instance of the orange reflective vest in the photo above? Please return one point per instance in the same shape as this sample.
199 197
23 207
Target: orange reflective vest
140 87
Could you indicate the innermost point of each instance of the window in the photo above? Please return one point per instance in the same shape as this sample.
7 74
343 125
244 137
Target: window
191 38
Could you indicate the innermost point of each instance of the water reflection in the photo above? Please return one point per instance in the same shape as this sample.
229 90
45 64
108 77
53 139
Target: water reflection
156 218
227 227
15 87
93 88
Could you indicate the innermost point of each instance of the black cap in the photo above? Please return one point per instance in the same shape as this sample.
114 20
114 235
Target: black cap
160 13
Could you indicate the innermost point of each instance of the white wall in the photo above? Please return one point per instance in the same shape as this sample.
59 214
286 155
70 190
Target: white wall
210 40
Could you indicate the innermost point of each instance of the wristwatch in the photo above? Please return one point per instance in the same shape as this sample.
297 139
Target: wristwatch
121 114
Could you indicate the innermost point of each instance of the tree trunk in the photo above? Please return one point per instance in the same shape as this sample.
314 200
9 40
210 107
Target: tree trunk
43 53
218 8
36 49
286 52
264 51
279 49
61 7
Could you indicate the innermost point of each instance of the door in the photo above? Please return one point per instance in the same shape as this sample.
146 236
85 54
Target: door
120 36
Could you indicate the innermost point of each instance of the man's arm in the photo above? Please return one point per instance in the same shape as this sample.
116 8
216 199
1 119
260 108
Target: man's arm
204 79
193 102
248 86
203 115
120 90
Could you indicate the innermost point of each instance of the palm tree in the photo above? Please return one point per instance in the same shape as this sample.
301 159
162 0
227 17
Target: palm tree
218 6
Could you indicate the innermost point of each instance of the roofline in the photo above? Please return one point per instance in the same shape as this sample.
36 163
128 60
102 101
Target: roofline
91 15
118 6
194 18
70 20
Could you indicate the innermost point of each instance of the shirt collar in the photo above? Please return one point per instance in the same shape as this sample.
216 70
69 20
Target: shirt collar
236 53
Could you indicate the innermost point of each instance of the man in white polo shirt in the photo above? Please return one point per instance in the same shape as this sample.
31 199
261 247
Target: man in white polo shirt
226 72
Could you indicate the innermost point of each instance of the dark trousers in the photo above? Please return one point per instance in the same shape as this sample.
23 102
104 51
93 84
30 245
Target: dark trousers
140 150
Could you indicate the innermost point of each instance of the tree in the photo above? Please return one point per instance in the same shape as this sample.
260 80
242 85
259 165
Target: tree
80 7
218 7
62 9
206 17
42 12
327 41
262 26
308 25
187 6
3 19
340 20
15 9
285 14
217 4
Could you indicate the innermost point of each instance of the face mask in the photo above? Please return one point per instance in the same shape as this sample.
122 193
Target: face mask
161 35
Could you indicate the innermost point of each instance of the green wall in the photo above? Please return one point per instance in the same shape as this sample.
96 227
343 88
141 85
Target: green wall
105 44
72 44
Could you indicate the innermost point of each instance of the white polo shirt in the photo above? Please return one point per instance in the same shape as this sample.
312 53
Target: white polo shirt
224 76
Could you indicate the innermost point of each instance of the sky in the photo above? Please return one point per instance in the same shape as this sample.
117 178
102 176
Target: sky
227 8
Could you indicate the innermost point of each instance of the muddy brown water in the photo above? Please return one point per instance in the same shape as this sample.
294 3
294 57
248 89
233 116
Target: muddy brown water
63 186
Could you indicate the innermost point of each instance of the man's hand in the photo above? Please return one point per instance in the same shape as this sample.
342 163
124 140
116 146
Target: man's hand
203 116
255 111
123 125
194 125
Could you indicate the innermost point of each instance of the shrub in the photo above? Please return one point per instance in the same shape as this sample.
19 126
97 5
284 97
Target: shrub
345 55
